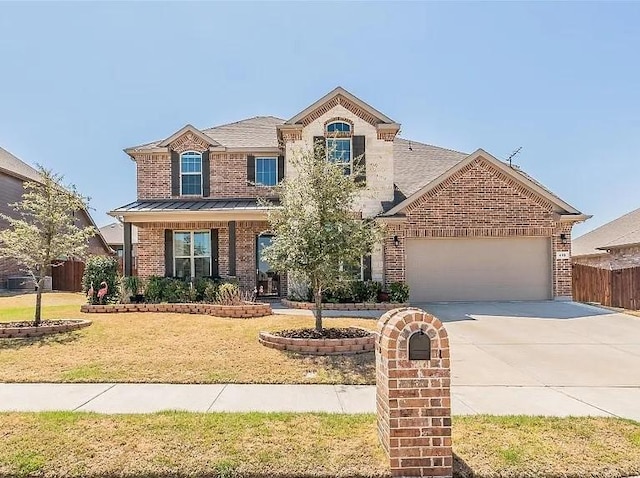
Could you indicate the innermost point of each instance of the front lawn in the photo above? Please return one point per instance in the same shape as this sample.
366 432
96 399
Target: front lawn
167 348
67 444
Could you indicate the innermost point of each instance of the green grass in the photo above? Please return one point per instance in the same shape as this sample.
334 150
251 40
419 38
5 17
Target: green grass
157 347
180 444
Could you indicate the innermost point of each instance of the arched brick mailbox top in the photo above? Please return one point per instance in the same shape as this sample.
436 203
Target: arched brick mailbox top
397 326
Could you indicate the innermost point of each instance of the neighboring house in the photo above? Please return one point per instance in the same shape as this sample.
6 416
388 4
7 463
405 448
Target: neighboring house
13 174
114 236
615 245
460 226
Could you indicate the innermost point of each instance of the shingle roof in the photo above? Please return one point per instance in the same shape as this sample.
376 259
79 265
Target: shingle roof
16 166
253 132
114 233
151 205
417 164
620 231
257 132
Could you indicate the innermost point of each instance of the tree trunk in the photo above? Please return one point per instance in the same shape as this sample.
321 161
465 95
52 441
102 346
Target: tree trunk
37 318
317 295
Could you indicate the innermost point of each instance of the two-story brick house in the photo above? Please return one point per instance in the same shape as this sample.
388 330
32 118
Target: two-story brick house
459 226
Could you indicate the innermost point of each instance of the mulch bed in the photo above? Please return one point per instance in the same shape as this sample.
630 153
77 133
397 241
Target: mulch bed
29 323
329 333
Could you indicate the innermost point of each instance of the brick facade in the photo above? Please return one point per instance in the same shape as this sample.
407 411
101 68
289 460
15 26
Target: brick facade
479 201
151 248
228 175
413 397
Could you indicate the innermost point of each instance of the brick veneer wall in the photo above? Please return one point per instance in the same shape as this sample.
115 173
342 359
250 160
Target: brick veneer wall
228 174
479 201
413 397
151 244
151 248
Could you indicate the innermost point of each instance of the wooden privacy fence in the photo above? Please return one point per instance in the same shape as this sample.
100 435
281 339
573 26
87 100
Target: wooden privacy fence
614 288
68 276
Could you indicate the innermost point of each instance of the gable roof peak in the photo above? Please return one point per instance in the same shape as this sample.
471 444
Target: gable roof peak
341 96
188 128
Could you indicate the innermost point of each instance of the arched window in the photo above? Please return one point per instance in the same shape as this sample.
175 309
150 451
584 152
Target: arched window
338 127
339 144
191 173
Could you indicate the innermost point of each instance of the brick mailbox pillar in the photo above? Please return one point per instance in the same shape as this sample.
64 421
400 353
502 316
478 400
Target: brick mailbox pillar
413 393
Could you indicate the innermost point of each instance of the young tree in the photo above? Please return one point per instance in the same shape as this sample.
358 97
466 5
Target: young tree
46 230
318 232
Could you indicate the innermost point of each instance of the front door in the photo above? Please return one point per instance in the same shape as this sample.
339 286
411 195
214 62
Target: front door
267 280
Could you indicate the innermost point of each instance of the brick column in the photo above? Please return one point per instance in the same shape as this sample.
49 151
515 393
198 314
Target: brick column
413 397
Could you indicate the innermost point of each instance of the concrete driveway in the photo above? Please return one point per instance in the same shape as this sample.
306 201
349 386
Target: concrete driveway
540 343
542 352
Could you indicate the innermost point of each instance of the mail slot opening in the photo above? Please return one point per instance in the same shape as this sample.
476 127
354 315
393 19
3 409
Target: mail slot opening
419 346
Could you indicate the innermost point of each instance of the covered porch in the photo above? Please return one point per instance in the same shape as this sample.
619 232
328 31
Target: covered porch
202 238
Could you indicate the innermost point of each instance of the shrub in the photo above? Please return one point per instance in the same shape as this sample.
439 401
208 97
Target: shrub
398 292
100 269
155 289
228 294
210 293
365 291
133 285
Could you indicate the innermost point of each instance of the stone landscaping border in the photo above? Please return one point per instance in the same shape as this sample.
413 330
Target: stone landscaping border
359 345
26 332
244 311
292 304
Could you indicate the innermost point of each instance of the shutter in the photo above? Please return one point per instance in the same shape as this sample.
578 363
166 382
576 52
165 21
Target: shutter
128 265
251 170
215 272
366 267
321 140
168 253
359 159
232 248
206 174
280 168
175 174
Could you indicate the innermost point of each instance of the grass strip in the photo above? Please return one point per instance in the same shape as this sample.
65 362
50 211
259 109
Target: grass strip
180 444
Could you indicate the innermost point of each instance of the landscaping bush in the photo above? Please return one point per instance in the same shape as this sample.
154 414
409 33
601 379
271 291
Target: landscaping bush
345 292
398 292
228 294
100 269
205 289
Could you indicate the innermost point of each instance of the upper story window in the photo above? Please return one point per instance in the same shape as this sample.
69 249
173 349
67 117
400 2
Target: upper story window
191 174
338 127
266 171
339 151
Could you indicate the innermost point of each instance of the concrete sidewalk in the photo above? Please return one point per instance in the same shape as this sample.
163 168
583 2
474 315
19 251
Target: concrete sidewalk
148 398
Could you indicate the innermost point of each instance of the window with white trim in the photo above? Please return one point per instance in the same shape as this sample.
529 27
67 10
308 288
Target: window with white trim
191 173
338 127
339 152
339 146
192 254
266 171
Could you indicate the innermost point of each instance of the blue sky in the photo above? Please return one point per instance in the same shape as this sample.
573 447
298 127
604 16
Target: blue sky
81 81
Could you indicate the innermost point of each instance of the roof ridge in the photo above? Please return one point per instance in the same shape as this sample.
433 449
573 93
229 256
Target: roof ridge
432 145
242 120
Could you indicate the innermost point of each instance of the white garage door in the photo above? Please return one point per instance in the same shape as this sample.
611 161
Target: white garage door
479 269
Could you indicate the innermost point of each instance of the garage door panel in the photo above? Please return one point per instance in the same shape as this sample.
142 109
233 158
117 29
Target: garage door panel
479 269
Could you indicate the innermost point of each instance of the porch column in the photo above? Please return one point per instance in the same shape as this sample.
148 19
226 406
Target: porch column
232 248
128 259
